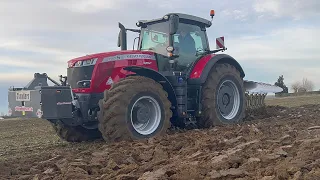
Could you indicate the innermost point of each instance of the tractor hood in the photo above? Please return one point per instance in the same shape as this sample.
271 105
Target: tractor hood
94 72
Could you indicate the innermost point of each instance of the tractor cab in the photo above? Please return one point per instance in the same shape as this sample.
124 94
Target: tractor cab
178 40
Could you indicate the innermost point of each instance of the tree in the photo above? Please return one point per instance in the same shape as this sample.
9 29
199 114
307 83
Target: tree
303 86
280 83
296 86
307 85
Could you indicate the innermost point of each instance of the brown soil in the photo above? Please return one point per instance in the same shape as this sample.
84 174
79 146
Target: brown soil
283 143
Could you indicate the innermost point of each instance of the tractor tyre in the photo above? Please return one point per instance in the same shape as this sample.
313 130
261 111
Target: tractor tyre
75 133
134 108
223 97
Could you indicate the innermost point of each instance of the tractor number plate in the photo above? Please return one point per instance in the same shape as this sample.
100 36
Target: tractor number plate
23 96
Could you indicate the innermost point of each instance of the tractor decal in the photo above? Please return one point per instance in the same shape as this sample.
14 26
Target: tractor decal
110 81
128 57
63 103
9 112
39 113
22 108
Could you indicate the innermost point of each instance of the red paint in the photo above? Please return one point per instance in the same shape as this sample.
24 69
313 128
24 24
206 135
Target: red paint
201 64
113 69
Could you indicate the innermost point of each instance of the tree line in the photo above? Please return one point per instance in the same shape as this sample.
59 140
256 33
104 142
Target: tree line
298 86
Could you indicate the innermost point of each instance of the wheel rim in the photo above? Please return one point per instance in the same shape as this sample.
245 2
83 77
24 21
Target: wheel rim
228 99
145 115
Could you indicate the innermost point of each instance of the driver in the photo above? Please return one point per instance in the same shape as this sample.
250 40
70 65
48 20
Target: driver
187 50
186 43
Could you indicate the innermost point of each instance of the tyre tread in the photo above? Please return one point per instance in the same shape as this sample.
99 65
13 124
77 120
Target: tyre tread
113 107
209 118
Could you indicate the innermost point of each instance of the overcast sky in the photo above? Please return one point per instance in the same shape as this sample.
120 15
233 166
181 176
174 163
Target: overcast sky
268 37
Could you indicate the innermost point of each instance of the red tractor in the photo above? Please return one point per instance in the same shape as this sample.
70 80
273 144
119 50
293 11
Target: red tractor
173 79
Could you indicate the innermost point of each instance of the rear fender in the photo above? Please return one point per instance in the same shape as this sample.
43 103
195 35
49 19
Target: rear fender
202 68
150 73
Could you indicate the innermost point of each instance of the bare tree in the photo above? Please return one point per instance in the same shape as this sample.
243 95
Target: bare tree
296 86
307 85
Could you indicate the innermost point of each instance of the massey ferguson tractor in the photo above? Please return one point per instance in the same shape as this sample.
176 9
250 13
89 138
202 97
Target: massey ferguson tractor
172 79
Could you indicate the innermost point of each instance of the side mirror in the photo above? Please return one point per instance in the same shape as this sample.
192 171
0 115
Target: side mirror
173 24
119 40
122 38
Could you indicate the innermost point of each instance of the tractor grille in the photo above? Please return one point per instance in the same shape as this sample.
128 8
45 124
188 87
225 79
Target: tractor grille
76 74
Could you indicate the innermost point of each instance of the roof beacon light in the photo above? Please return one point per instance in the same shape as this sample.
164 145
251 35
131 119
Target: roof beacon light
212 13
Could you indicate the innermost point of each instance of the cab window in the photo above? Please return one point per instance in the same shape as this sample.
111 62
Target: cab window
152 38
198 39
198 36
155 37
189 43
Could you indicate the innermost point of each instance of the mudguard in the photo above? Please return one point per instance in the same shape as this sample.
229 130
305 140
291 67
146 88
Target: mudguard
150 73
202 67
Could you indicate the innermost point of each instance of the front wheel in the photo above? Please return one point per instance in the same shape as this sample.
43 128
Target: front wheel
75 133
134 108
223 97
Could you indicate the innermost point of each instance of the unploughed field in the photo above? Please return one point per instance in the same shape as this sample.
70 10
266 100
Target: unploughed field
283 143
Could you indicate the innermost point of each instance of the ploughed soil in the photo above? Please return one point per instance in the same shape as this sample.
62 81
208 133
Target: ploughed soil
283 143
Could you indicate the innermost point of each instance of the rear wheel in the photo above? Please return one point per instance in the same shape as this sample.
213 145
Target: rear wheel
75 133
223 97
134 108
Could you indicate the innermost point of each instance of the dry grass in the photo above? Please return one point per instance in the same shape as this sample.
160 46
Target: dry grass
294 101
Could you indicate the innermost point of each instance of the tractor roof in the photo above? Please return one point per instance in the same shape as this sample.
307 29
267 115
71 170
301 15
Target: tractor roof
200 20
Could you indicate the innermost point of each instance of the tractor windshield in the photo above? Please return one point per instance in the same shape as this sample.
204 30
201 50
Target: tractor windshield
155 37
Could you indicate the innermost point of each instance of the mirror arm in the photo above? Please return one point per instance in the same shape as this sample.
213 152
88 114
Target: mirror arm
217 50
